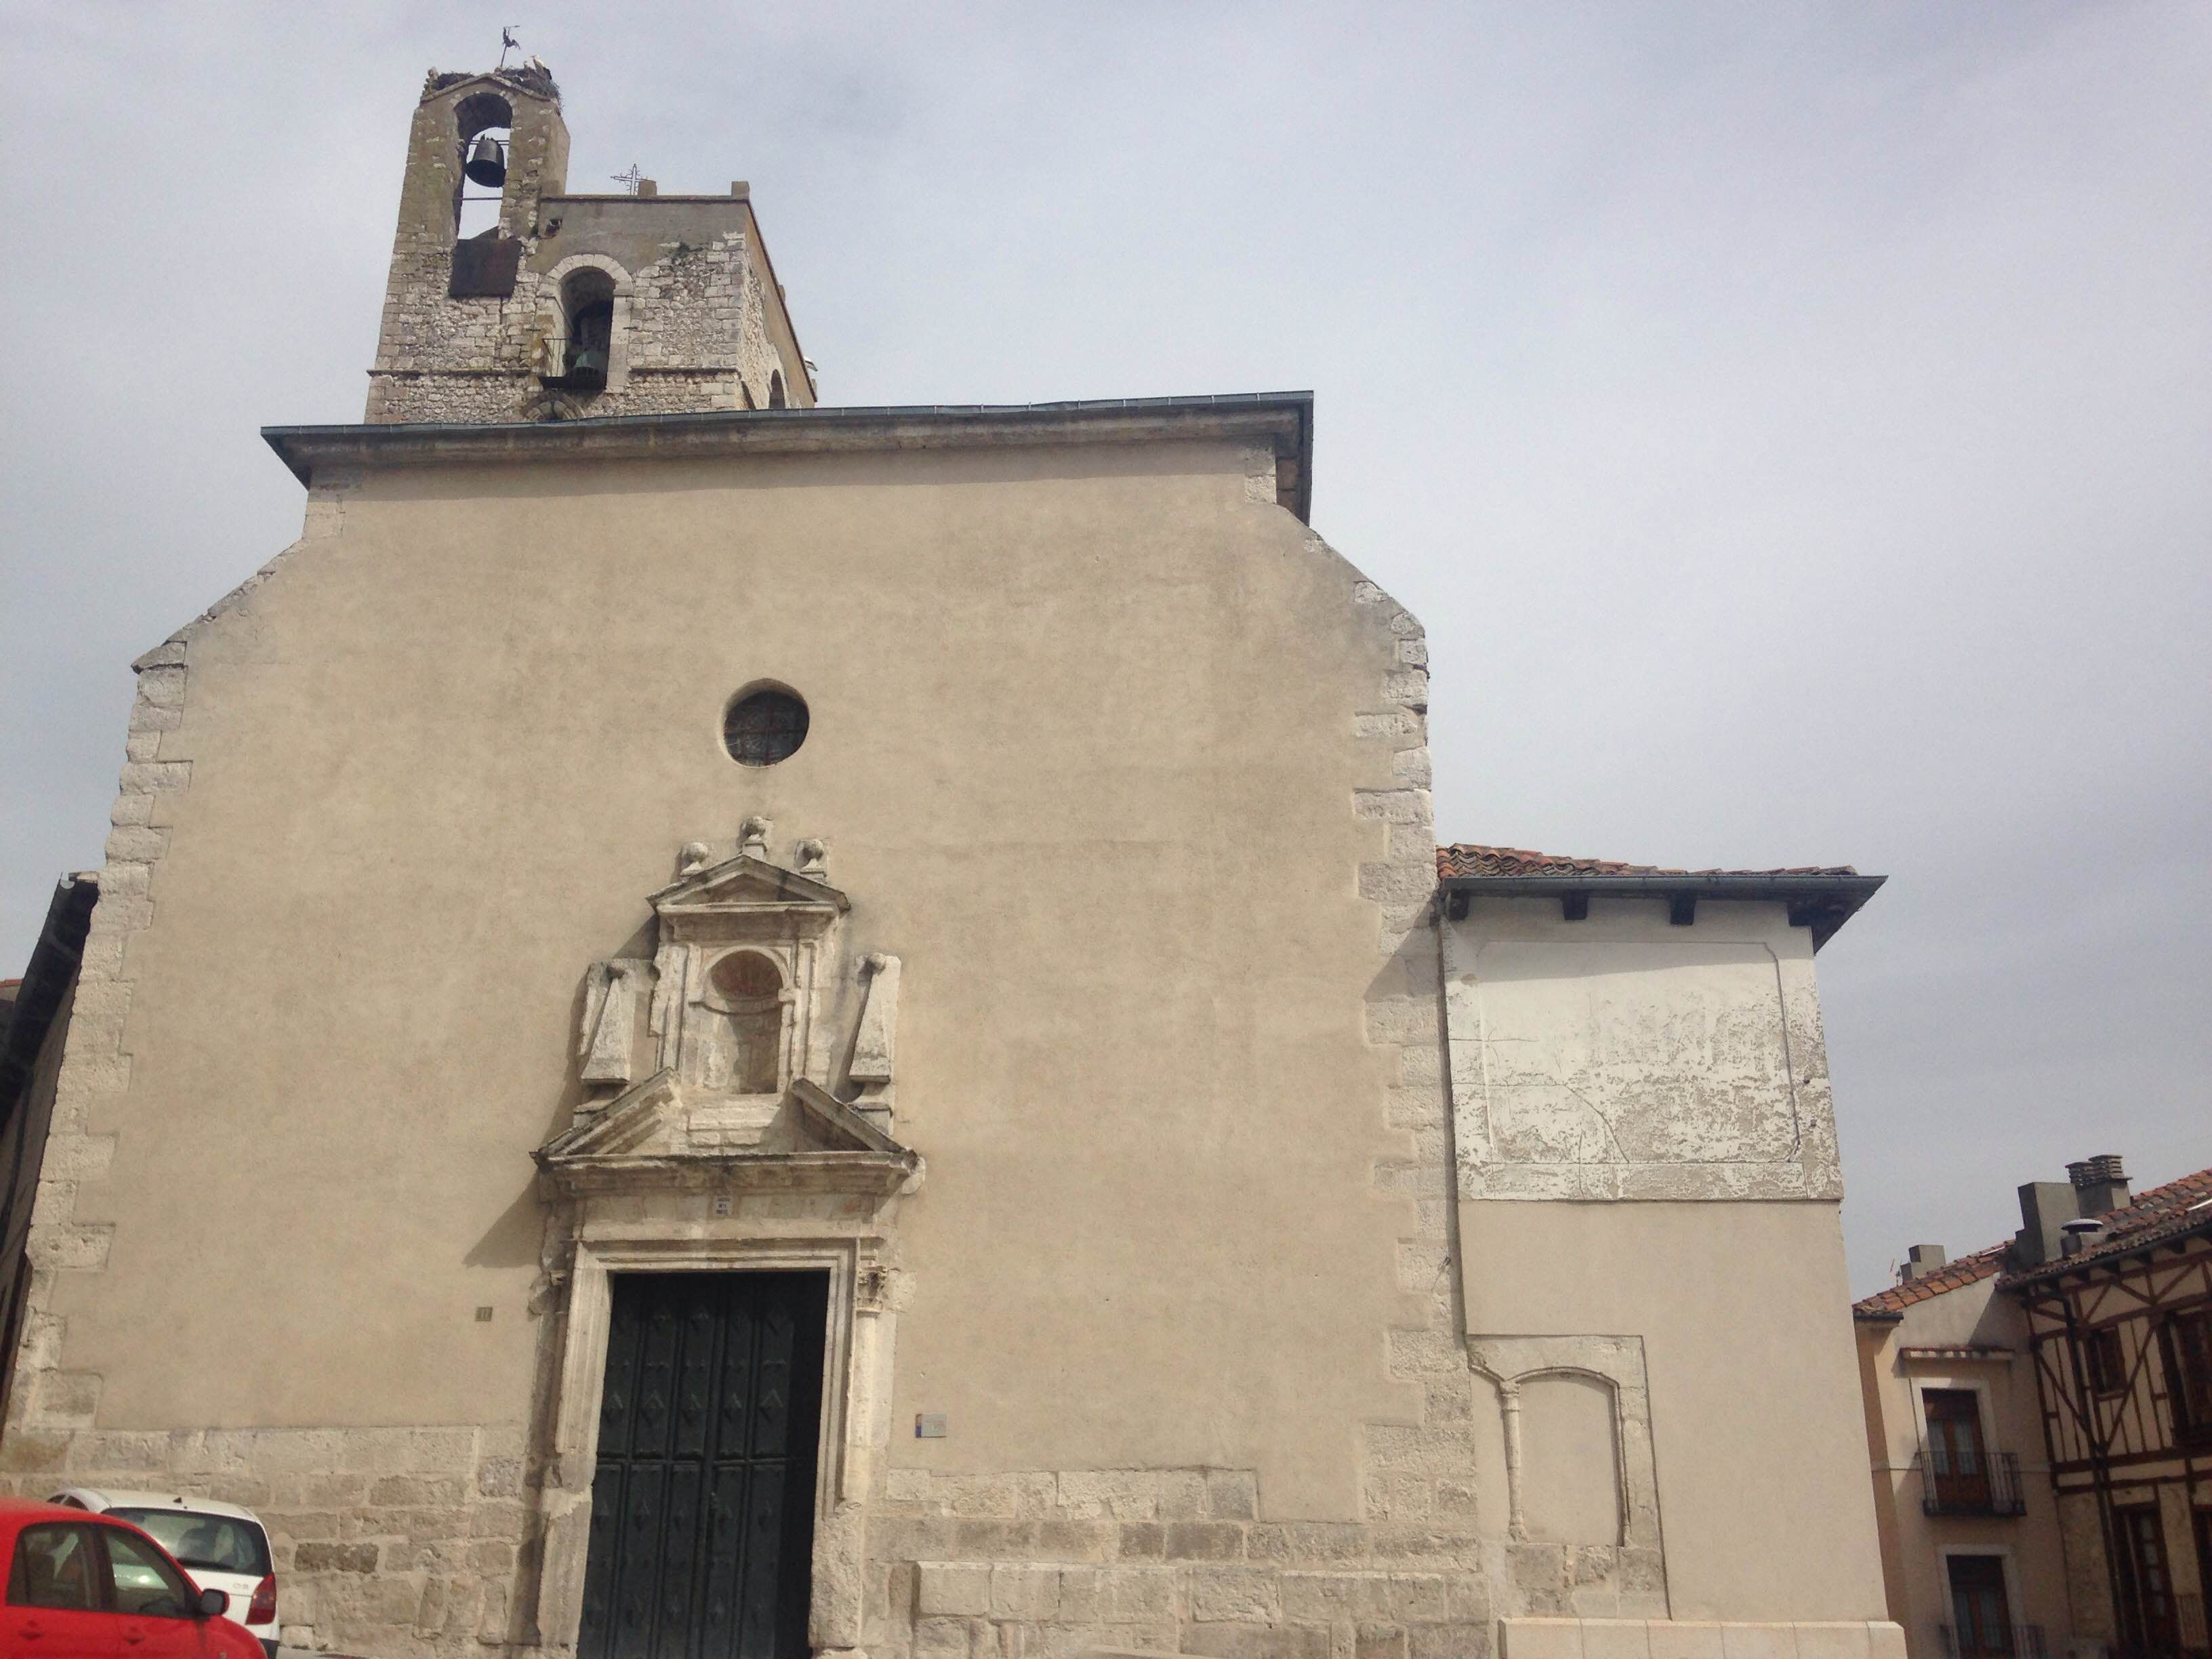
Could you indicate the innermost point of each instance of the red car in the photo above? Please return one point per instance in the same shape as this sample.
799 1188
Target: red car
84 1586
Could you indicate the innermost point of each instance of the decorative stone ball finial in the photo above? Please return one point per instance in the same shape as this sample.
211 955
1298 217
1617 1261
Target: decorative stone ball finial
811 854
752 837
693 860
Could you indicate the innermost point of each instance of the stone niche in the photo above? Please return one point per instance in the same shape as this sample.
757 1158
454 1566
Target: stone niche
1563 1444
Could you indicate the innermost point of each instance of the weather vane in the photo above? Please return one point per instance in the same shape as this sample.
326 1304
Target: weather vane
630 180
506 43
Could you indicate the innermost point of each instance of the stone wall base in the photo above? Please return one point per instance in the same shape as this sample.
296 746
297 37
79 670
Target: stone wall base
398 1543
1684 1639
1061 1610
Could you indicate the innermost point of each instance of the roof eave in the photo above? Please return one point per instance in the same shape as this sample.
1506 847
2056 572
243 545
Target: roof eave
1826 901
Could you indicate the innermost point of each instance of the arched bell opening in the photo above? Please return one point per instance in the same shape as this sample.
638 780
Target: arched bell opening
587 311
484 124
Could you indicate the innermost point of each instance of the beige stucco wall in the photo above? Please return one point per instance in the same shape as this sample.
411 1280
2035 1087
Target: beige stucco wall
1753 1404
1643 1133
1127 768
2004 1386
1083 752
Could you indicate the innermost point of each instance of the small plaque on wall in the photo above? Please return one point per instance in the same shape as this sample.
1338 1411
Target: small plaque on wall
929 1425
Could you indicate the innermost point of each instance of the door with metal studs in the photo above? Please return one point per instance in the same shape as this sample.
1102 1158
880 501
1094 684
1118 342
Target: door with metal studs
703 1502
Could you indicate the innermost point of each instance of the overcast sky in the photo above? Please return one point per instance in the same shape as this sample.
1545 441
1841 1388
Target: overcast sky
1792 422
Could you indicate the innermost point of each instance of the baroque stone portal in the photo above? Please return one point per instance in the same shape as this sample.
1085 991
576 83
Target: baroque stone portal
713 1138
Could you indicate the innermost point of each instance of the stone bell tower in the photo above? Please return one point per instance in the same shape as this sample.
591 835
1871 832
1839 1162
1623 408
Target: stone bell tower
512 300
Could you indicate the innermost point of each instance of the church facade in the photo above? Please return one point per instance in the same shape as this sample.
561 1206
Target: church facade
764 1029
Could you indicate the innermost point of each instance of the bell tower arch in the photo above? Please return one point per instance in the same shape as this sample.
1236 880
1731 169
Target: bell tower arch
482 153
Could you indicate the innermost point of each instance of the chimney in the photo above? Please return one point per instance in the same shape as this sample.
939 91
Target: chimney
2045 1207
1920 1261
2091 1188
2099 1184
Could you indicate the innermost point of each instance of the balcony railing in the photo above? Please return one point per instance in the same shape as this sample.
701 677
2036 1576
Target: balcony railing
1988 1484
1984 1642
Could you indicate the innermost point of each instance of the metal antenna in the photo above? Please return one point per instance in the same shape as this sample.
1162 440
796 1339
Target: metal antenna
506 43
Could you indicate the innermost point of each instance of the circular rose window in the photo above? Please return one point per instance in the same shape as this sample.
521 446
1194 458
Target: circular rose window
764 726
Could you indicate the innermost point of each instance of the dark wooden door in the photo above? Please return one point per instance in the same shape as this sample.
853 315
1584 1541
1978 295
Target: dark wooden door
1956 1456
703 1504
1979 1609
2149 1580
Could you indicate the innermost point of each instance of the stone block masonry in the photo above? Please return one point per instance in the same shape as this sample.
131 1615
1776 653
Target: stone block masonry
1164 1559
392 1542
690 334
403 1543
698 323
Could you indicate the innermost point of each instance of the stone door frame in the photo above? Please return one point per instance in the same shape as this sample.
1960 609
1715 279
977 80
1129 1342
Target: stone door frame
855 1407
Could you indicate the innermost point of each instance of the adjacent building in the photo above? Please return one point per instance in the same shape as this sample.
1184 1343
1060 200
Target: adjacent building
2040 1418
34 1016
773 1029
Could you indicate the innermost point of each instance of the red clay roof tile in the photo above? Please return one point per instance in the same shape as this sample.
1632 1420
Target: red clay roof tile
1466 859
1950 1276
2152 1215
2178 1206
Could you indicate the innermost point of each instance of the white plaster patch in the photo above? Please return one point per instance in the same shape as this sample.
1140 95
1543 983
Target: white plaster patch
1625 1059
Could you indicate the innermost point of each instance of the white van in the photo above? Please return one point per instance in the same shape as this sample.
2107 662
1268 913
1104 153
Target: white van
222 1545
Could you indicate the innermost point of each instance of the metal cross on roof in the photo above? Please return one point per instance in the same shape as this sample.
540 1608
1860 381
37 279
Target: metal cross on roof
630 180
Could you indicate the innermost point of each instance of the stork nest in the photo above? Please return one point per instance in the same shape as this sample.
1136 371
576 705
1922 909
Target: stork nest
536 81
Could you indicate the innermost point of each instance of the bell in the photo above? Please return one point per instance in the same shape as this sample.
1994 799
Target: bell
587 367
487 161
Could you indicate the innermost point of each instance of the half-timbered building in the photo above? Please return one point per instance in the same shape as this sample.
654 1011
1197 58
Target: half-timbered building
2039 1419
2120 1331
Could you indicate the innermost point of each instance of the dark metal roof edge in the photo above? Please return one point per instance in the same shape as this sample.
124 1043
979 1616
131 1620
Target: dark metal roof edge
679 196
299 447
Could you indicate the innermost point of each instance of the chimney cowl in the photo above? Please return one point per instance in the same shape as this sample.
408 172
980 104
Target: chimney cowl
2100 1183
2105 1166
2083 1233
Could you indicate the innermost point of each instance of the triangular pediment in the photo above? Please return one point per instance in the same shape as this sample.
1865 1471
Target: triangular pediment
743 882
838 1126
658 1133
646 1116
